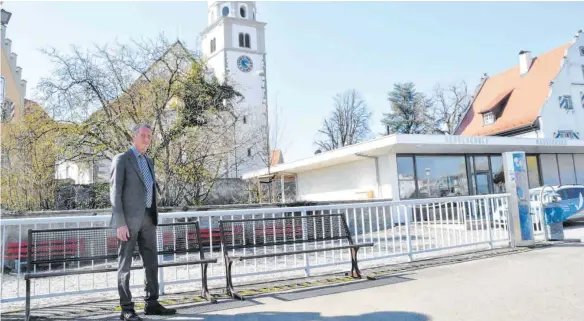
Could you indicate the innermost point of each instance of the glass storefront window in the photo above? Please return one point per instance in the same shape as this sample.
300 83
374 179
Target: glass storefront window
441 176
533 172
406 178
579 166
549 169
481 163
498 174
566 166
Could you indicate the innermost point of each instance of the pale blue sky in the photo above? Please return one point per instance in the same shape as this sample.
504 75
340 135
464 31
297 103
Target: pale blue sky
317 49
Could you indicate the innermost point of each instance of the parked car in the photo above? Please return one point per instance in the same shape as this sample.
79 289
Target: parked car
574 193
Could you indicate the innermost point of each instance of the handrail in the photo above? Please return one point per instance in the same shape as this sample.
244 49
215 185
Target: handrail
265 210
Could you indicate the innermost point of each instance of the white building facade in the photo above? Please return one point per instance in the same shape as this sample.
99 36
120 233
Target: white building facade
402 167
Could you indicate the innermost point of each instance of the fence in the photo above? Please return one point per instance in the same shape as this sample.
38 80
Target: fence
401 231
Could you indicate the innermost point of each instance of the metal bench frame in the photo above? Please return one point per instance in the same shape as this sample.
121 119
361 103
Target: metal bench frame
354 247
29 275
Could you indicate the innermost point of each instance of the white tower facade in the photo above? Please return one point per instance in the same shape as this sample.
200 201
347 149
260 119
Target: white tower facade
233 44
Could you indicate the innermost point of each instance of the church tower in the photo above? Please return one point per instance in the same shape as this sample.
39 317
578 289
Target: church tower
233 44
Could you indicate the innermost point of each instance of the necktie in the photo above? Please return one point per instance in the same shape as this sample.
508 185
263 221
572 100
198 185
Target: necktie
147 180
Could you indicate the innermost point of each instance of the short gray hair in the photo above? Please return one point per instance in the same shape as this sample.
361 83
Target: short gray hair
136 128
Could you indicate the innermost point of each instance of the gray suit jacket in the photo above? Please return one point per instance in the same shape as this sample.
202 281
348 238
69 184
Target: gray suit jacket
127 191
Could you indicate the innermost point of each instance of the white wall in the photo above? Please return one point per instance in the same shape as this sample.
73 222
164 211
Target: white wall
570 81
385 175
348 181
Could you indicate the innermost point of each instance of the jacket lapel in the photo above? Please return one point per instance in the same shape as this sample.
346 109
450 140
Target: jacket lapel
134 162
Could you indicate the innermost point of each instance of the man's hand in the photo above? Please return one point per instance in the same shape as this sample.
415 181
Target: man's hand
123 233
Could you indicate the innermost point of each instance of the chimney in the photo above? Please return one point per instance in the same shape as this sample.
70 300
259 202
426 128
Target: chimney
524 62
4 19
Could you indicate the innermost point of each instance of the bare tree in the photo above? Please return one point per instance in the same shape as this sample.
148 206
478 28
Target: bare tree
104 91
273 138
348 123
449 106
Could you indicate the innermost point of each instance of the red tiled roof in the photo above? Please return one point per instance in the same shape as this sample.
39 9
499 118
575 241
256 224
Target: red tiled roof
528 93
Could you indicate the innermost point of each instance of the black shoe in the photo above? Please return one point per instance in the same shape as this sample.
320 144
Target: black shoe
158 309
130 316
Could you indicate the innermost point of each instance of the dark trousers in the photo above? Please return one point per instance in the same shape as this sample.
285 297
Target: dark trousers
145 238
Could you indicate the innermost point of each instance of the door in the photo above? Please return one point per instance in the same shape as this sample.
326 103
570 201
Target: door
483 183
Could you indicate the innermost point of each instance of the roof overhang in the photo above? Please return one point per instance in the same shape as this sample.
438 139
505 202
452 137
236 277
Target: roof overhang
424 144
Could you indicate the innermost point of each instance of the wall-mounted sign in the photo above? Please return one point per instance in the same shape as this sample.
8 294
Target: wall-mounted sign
470 140
570 134
551 141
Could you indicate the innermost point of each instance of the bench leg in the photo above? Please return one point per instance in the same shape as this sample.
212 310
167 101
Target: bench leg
205 289
230 290
27 303
355 272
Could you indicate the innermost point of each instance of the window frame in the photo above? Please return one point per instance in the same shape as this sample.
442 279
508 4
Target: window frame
241 40
569 99
213 45
489 118
247 40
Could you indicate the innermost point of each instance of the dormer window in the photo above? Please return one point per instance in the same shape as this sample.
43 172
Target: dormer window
489 118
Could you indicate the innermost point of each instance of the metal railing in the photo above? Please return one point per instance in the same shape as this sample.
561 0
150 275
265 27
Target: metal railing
401 231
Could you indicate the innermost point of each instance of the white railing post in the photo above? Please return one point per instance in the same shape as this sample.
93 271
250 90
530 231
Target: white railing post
160 269
408 235
305 237
488 213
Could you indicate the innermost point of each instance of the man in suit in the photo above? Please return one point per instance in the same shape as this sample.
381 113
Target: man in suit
135 217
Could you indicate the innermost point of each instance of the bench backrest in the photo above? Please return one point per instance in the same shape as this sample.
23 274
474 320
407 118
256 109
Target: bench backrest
100 243
248 233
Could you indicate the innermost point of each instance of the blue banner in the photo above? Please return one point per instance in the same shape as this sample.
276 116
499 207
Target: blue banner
560 211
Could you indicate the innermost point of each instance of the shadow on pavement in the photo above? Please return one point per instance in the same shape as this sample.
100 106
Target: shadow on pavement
308 316
198 311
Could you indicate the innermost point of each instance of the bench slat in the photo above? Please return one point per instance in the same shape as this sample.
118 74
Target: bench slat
259 256
41 275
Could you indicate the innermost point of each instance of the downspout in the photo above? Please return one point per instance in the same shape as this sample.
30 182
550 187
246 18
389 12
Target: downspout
376 172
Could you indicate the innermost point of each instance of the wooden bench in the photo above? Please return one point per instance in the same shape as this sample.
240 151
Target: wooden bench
82 245
274 233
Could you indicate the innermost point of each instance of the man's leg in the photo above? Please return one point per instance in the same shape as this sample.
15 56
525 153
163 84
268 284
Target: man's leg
149 253
125 250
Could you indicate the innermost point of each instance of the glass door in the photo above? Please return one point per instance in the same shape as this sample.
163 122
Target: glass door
483 183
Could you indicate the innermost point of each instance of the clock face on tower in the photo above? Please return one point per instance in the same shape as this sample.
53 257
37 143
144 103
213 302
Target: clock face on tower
244 63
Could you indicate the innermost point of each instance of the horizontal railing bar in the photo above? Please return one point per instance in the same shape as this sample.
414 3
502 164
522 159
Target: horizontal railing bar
281 218
100 218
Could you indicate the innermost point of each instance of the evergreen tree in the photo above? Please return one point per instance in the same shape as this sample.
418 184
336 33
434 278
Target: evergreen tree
409 111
